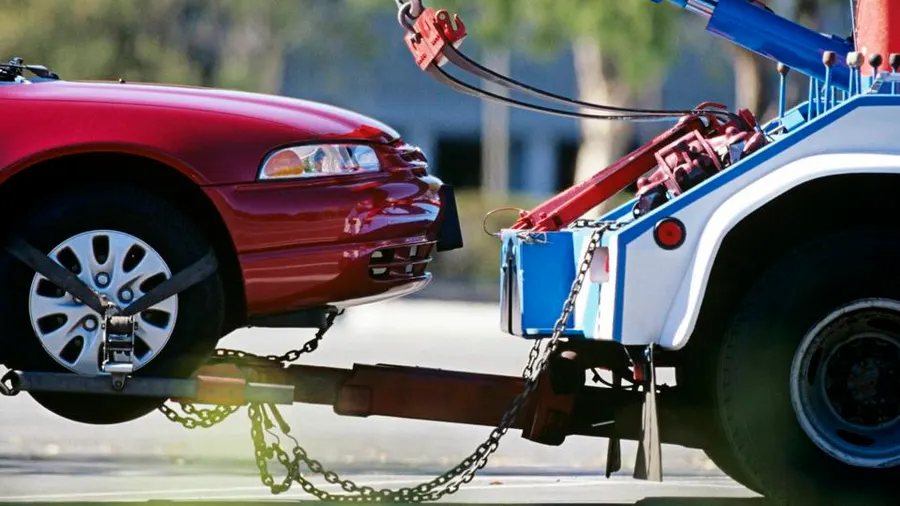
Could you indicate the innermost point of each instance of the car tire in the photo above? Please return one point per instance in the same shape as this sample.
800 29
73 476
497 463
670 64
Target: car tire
170 234
755 396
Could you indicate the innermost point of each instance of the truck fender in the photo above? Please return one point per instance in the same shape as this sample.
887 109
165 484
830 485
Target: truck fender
684 312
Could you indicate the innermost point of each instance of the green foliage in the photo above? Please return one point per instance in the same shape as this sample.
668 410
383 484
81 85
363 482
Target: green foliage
228 43
638 33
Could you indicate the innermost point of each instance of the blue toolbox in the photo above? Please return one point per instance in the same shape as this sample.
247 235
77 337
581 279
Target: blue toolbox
536 274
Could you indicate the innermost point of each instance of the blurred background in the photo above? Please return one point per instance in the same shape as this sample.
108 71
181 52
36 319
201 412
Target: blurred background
351 53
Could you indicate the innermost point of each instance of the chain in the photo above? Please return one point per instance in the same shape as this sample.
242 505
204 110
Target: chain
603 224
408 11
261 417
207 417
265 417
292 355
197 417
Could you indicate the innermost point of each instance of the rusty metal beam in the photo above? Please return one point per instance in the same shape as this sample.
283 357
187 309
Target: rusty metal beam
474 399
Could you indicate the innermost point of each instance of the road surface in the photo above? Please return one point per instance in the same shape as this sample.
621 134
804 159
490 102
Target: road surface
94 484
425 333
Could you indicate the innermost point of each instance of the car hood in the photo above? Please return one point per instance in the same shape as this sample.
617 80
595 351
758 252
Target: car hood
314 119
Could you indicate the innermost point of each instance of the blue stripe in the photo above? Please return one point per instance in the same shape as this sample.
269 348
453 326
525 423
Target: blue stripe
636 229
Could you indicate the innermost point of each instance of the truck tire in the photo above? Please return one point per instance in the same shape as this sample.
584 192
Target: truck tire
136 239
694 380
808 387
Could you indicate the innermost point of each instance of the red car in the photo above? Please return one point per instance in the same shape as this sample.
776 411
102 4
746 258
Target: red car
306 207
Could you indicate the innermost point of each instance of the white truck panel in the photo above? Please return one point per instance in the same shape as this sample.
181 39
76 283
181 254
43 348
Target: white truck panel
682 317
652 300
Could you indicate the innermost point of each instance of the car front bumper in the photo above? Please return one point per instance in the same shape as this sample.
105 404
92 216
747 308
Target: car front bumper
301 247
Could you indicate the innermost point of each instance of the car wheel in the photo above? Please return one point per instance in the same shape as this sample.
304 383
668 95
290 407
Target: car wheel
808 390
121 241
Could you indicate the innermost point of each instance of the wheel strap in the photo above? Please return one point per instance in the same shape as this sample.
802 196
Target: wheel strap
181 281
55 273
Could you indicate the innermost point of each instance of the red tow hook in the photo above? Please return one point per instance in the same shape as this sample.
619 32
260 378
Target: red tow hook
431 33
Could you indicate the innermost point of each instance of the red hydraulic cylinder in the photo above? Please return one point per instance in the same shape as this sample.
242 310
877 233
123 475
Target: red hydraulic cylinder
877 29
568 206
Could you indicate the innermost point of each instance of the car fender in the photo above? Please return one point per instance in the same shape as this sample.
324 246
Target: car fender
684 312
139 150
210 147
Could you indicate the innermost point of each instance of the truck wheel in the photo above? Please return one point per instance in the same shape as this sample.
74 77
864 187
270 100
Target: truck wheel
121 241
808 390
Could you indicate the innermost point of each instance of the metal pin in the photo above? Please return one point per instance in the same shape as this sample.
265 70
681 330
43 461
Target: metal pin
810 103
782 103
855 61
875 61
894 62
829 59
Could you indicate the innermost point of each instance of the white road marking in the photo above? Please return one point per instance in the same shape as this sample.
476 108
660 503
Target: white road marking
229 493
124 493
298 494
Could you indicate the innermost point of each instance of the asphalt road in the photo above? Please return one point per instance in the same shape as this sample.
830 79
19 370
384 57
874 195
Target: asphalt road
44 458
84 486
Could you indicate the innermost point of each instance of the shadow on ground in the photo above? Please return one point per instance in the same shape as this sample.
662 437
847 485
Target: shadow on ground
656 501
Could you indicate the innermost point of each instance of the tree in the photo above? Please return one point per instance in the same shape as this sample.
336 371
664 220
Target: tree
228 43
754 74
620 50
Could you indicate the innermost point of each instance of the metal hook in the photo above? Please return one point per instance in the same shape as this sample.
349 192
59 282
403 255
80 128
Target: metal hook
488 215
416 8
10 384
407 12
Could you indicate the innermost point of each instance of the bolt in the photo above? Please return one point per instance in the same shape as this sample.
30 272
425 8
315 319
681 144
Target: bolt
102 279
126 295
90 324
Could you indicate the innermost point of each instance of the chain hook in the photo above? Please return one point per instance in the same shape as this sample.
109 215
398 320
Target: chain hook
10 384
495 211
408 12
416 8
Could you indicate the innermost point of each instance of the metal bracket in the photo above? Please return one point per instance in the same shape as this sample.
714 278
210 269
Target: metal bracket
118 348
614 445
10 385
648 463
203 389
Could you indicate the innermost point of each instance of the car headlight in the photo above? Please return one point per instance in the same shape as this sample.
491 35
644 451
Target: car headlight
319 160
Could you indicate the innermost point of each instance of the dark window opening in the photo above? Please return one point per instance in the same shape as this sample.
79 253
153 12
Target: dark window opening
567 154
516 165
458 161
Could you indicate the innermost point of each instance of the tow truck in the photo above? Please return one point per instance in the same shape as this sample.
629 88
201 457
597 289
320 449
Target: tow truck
757 259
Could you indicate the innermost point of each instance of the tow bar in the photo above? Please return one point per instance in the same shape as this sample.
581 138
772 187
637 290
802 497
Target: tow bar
548 403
